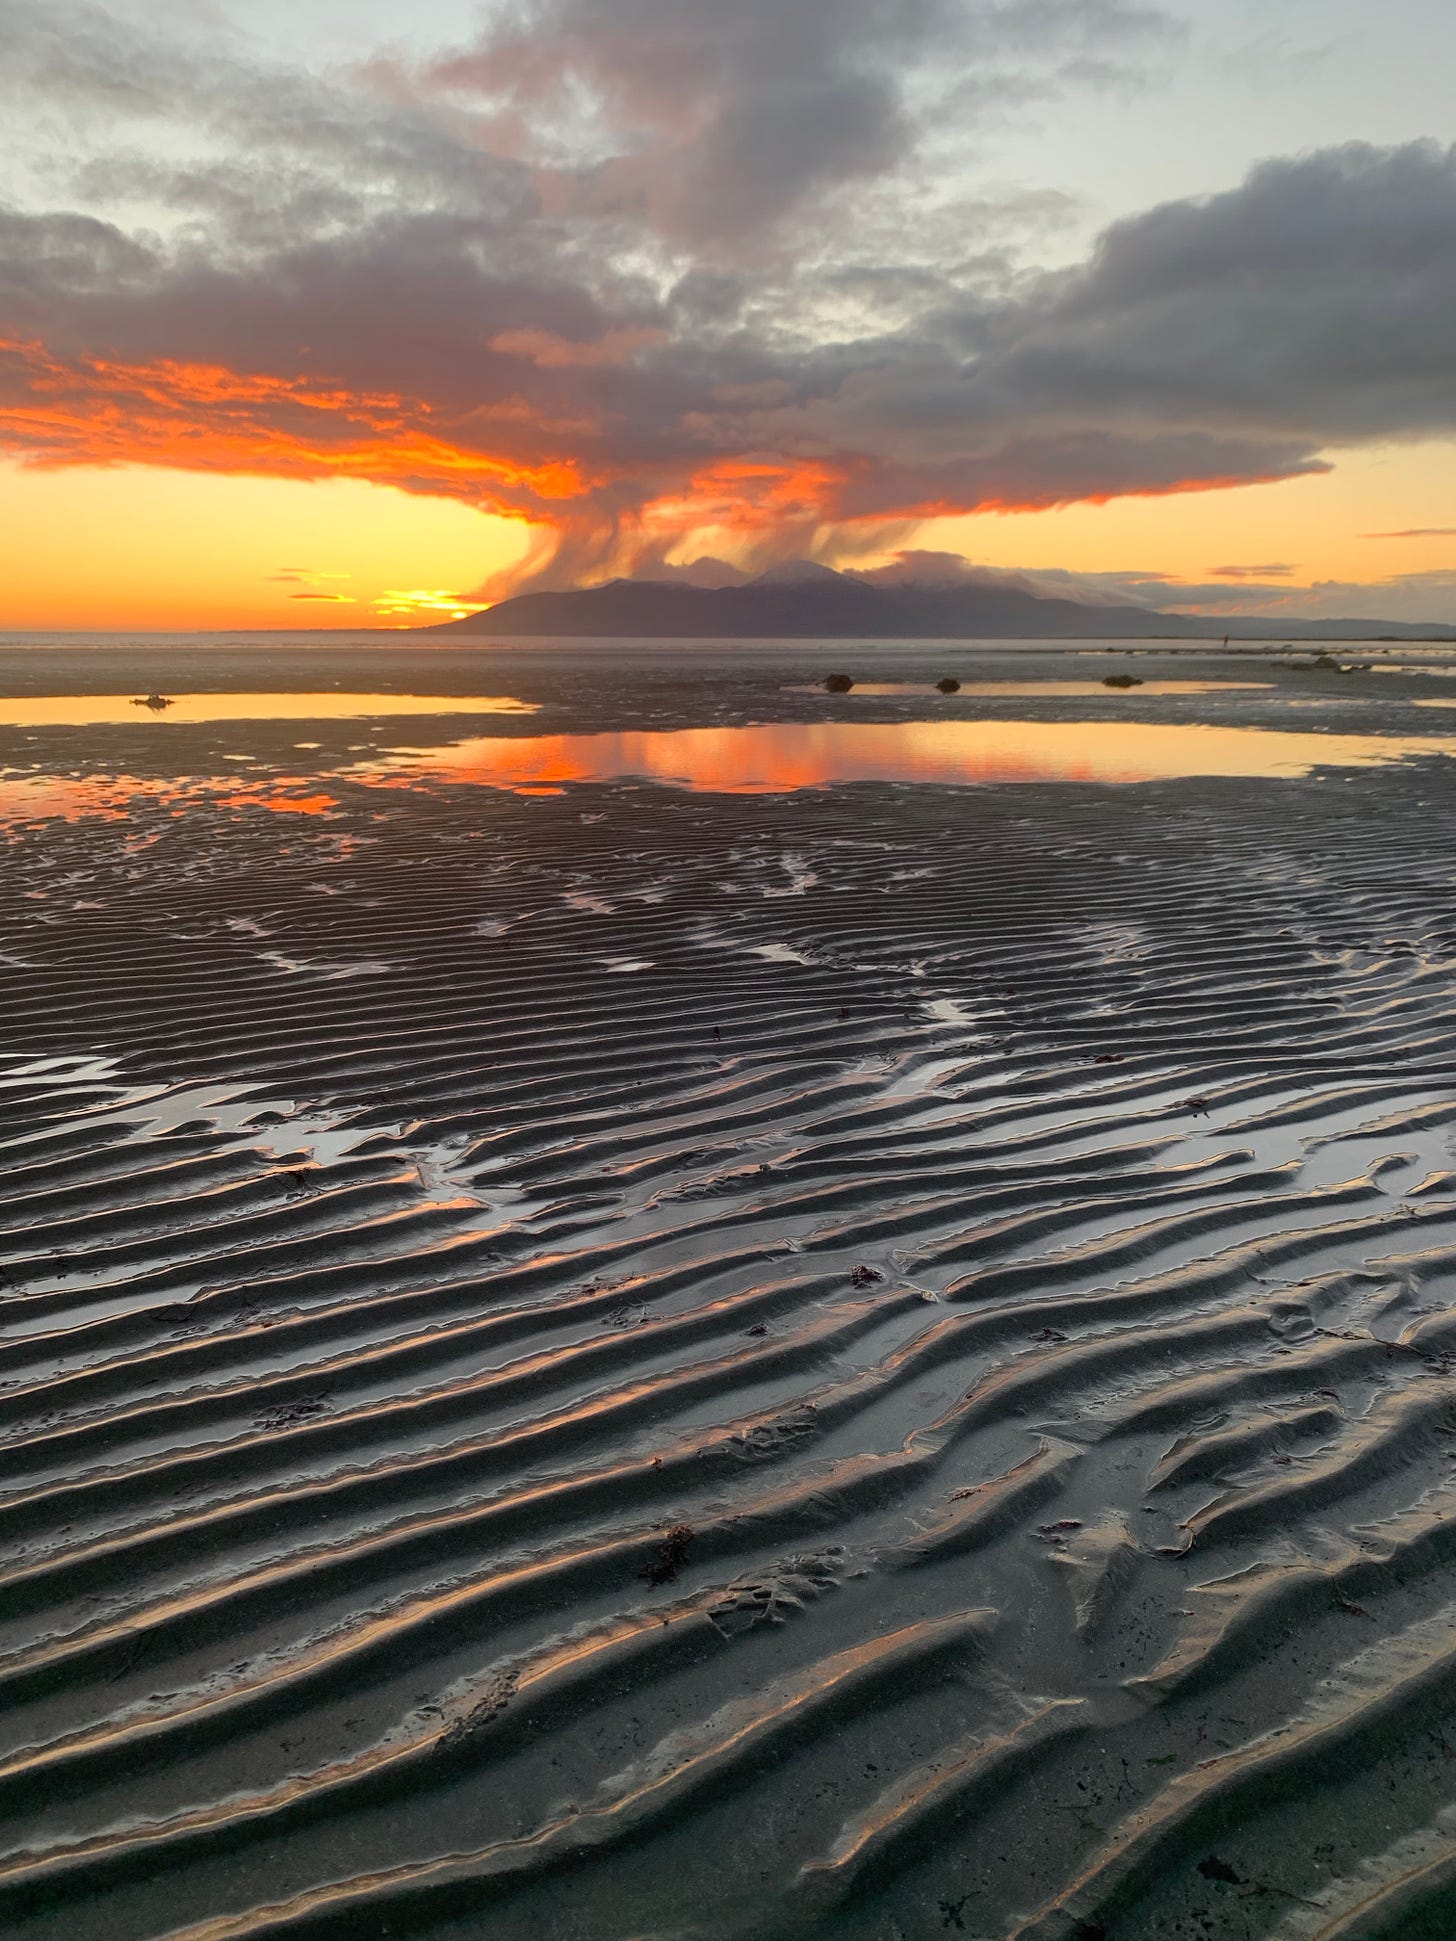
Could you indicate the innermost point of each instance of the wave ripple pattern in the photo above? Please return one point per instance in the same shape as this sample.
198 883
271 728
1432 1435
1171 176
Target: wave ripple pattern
629 1365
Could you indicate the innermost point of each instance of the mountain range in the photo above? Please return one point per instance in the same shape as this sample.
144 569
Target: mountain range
807 601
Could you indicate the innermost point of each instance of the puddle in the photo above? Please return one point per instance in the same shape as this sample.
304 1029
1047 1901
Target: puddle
41 797
778 954
945 1010
1032 690
770 758
333 973
777 757
113 710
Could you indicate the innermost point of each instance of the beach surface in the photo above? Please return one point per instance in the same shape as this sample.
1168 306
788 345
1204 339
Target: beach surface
642 1302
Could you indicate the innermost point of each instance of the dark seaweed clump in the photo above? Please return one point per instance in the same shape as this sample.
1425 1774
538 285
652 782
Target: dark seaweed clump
669 1556
948 686
838 684
1121 680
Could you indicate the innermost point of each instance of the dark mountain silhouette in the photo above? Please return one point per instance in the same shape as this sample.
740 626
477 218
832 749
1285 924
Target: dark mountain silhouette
819 608
825 605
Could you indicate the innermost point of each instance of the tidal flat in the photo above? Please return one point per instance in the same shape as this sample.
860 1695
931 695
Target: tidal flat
642 1301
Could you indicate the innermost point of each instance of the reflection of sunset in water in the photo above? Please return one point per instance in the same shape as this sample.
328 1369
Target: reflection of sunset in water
282 804
770 758
109 798
793 755
117 710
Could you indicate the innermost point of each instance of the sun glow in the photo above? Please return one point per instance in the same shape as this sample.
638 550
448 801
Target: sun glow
141 547
1330 526
125 546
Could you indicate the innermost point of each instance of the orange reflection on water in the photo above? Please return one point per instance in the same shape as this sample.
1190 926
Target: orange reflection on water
775 757
770 758
110 798
53 798
282 804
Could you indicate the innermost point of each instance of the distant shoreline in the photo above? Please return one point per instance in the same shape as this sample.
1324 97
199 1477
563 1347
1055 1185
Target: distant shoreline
1065 644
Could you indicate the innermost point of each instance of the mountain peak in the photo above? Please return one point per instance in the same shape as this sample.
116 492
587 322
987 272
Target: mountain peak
796 572
809 602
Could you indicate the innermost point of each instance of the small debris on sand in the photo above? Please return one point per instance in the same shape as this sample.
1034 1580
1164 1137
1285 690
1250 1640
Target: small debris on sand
670 1556
498 1695
289 1414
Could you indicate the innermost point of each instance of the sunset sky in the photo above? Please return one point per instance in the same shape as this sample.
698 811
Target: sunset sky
350 313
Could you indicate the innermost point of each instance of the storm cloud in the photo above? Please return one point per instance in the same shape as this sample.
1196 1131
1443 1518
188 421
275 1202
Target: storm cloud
405 276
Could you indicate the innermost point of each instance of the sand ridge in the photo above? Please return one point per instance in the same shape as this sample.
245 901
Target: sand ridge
927 1406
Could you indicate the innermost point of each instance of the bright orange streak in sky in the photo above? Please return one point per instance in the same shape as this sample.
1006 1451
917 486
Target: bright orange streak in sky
135 552
202 417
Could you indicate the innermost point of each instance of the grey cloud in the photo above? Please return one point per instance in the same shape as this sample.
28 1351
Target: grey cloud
703 571
1315 298
713 118
1233 338
915 566
78 53
719 121
1410 596
1126 588
384 293
1405 597
81 254
125 113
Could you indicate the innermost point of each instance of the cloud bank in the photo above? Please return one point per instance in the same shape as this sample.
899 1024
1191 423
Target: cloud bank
632 270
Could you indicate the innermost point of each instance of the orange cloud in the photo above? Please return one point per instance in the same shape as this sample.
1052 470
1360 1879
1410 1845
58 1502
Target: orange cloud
601 506
205 417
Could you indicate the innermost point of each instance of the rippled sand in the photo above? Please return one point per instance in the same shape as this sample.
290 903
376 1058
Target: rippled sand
630 1364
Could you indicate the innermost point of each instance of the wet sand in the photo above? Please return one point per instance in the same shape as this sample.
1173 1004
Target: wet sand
637 1361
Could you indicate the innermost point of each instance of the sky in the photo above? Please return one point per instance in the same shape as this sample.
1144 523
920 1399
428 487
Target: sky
351 313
